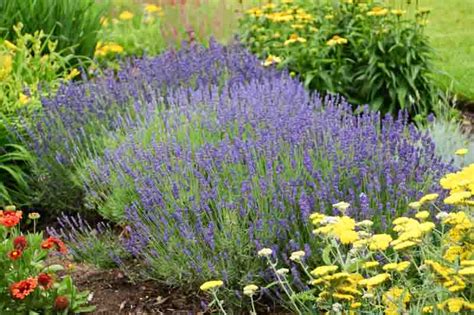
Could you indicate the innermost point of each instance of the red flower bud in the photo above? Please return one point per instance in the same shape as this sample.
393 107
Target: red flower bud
61 303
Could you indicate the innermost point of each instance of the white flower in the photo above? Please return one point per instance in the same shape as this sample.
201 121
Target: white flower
336 307
368 296
329 220
364 234
250 289
296 256
282 271
442 215
341 206
365 223
265 252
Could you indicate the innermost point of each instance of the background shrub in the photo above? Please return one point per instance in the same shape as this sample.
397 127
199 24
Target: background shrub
72 23
368 53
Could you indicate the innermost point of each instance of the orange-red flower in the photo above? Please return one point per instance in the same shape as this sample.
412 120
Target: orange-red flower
15 254
20 242
22 289
45 280
61 303
9 218
51 242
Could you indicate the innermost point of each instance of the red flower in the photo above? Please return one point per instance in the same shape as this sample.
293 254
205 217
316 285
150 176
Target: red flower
15 254
10 218
45 280
20 242
61 303
22 289
51 242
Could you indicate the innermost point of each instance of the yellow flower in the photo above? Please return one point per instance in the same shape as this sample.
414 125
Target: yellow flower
329 17
323 270
427 309
105 49
390 266
396 296
250 289
377 11
316 218
370 264
10 45
379 242
415 205
356 305
375 281
455 305
457 198
461 152
404 245
293 39
104 21
126 15
469 271
429 197
422 215
209 285
398 12
152 8
342 206
466 263
24 99
336 40
271 60
74 73
341 296
6 65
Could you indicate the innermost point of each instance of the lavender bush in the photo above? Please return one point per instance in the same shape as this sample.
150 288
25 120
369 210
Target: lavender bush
228 170
81 117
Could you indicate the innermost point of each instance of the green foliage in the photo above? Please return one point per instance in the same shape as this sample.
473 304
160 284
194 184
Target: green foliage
30 283
26 65
133 33
365 52
72 23
13 177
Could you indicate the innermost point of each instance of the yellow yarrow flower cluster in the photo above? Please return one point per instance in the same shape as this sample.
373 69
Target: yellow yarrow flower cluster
336 40
410 232
460 238
456 305
211 285
104 49
395 300
341 286
461 186
377 11
447 276
341 228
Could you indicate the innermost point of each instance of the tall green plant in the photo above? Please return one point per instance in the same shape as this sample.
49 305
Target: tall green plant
73 23
369 53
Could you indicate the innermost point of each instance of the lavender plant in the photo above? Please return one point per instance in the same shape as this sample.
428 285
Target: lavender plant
236 168
81 118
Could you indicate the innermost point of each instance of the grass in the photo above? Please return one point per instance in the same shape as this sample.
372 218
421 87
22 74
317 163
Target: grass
452 35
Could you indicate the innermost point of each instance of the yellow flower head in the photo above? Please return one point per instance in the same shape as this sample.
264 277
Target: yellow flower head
398 12
297 256
422 215
370 264
461 152
10 45
377 11
375 281
152 8
210 285
379 242
336 40
429 197
126 15
271 60
23 99
6 65
323 270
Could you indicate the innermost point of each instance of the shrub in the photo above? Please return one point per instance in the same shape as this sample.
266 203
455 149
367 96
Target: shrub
135 33
77 119
72 23
228 171
368 53
29 284
422 265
